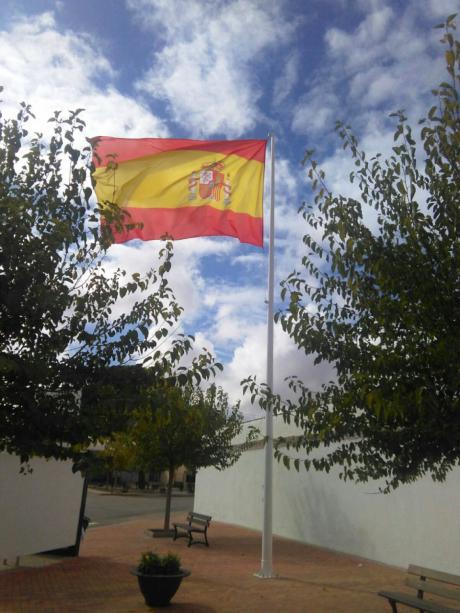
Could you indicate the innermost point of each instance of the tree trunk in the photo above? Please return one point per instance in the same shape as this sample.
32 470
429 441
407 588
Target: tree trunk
168 497
111 480
141 480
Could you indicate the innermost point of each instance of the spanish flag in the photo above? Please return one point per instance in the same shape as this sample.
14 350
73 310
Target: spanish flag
182 188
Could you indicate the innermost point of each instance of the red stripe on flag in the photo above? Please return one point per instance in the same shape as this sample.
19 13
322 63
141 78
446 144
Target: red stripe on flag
191 222
132 148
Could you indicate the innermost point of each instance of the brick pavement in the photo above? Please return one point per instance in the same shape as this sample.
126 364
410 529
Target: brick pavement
310 579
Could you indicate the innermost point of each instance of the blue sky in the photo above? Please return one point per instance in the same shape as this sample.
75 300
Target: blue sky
229 69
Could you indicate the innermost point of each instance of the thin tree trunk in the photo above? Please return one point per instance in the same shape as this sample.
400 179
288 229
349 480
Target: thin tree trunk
141 480
168 497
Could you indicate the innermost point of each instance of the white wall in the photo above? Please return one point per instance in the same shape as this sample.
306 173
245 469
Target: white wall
40 510
418 523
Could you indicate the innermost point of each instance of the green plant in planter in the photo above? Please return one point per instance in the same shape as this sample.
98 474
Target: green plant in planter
159 577
153 564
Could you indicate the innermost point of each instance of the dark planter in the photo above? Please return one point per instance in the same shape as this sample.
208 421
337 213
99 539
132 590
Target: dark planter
159 589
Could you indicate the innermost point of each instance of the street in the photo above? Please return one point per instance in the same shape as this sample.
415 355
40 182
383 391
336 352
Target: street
105 508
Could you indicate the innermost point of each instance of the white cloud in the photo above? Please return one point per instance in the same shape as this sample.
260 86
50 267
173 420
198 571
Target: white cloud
289 226
185 278
283 85
204 70
250 260
440 8
390 60
236 309
316 111
250 358
55 70
370 34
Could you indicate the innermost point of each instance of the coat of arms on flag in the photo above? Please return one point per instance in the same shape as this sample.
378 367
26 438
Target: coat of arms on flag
209 182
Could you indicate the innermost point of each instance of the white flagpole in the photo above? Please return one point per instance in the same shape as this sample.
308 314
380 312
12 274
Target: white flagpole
266 571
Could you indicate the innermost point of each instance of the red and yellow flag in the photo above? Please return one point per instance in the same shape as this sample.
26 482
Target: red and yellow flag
182 188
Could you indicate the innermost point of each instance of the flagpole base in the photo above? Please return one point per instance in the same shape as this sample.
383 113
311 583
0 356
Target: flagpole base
265 573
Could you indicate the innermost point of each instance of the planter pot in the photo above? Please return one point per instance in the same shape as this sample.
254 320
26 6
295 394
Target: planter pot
159 589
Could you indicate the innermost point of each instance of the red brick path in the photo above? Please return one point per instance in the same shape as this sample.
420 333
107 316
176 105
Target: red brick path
310 579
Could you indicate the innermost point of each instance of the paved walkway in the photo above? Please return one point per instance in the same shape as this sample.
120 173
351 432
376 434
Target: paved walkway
310 579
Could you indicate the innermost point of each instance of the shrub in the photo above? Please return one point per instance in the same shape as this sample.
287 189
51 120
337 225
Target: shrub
153 564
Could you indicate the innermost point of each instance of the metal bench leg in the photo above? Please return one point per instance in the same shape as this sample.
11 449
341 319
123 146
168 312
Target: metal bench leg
393 606
190 539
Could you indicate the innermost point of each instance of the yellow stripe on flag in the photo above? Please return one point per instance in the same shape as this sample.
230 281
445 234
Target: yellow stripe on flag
174 179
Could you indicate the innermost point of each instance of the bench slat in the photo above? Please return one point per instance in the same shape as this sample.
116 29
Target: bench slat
433 588
201 530
201 516
433 574
417 603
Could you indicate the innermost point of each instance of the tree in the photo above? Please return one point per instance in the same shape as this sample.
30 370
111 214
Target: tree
382 304
179 425
115 456
59 334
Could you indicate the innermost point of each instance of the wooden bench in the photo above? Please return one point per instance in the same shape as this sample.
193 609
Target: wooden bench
430 581
196 523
